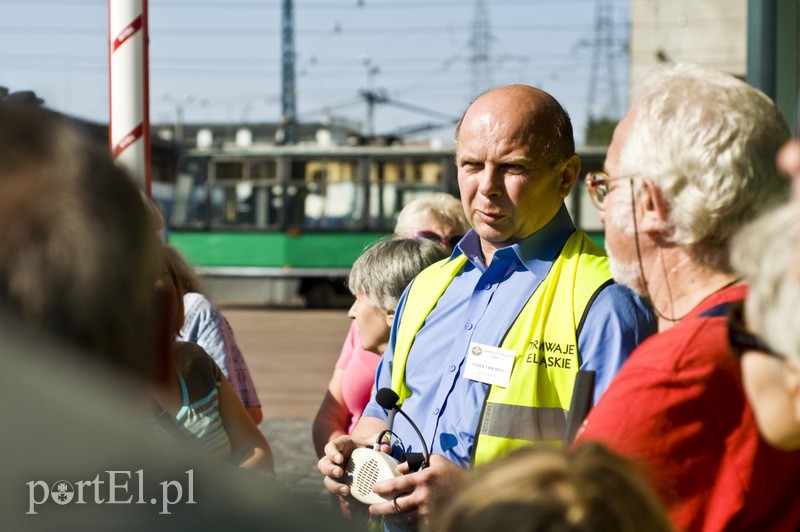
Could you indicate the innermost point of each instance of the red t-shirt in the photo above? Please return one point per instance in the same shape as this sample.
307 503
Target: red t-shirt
678 409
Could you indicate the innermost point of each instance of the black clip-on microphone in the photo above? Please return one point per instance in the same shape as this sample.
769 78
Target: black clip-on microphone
367 465
387 398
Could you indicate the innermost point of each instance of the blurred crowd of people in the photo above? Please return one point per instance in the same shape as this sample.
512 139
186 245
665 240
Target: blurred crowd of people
493 319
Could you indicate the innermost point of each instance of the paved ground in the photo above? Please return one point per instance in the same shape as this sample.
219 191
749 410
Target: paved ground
290 353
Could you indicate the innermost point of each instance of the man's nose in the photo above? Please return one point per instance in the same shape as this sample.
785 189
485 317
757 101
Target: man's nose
490 181
602 216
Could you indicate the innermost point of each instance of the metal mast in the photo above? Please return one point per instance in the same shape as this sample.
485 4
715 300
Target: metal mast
603 46
288 88
480 43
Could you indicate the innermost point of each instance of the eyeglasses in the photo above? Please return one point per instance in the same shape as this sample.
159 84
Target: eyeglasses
740 339
447 241
599 185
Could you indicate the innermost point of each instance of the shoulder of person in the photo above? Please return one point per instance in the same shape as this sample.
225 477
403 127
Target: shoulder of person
621 294
617 305
199 310
197 301
699 345
192 359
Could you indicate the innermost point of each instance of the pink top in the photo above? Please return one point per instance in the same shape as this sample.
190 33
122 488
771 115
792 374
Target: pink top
359 366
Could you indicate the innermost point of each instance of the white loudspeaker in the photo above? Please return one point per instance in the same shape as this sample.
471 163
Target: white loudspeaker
366 467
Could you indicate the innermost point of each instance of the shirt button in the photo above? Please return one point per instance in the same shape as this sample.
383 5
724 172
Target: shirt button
452 368
435 411
487 286
468 326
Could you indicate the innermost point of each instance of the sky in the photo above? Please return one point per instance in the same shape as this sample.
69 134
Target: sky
219 60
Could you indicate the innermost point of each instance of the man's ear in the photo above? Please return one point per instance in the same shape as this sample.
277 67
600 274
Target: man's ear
651 203
569 175
389 318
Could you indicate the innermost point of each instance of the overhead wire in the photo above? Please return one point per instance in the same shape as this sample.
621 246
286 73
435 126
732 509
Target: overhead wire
261 32
322 6
331 69
311 6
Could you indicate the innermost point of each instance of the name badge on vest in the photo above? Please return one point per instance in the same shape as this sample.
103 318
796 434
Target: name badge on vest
489 364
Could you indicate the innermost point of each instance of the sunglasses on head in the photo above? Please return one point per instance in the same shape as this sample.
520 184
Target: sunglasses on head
740 339
447 241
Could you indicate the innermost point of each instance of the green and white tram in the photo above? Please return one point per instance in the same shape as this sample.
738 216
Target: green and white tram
291 220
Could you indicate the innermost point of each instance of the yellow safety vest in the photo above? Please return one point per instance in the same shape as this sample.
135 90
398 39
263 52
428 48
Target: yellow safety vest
544 337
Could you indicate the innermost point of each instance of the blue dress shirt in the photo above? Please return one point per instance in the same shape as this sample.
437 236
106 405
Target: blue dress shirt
479 306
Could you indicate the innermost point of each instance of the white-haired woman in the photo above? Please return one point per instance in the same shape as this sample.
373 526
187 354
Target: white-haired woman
439 217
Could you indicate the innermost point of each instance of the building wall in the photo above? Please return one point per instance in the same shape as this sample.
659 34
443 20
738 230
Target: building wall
708 32
787 94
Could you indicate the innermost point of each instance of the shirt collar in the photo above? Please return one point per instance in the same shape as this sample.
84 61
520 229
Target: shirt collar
535 252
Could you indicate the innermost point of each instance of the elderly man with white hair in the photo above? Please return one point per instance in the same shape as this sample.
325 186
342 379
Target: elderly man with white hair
692 161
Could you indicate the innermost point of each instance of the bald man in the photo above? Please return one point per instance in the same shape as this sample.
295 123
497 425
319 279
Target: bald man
486 344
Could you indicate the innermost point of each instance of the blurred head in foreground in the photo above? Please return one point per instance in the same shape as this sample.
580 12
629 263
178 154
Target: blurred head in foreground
79 255
541 489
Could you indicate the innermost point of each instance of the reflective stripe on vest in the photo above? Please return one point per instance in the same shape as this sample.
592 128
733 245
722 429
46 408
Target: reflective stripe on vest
523 422
534 406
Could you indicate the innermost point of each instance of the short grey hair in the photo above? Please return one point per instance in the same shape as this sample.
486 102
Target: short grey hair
764 252
444 207
384 270
708 142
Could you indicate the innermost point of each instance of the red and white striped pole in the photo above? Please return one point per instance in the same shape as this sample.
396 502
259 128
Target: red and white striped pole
129 109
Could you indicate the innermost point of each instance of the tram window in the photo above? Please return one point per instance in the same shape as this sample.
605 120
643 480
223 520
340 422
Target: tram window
412 173
429 172
424 172
319 176
325 195
225 170
245 204
304 191
395 198
407 171
403 180
188 208
264 170
243 194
